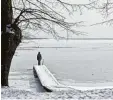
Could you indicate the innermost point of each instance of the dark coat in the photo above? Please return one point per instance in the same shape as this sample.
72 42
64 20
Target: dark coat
39 57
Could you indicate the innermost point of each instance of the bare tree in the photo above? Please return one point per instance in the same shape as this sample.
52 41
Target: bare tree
105 8
41 15
10 39
24 14
18 15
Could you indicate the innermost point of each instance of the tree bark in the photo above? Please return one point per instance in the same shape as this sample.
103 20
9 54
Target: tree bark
9 41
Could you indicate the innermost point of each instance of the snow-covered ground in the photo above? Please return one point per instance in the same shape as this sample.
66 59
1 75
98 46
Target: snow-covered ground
86 63
25 80
15 94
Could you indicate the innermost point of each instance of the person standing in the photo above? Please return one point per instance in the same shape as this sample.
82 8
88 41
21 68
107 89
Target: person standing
39 58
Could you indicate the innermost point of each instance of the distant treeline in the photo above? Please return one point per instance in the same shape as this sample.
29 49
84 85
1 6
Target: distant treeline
71 38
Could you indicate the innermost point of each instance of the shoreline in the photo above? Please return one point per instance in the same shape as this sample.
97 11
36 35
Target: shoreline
97 94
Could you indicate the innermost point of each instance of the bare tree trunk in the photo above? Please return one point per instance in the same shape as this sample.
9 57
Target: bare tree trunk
9 44
9 41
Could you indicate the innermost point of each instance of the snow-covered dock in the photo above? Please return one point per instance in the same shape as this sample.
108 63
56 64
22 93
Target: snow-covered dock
49 82
47 79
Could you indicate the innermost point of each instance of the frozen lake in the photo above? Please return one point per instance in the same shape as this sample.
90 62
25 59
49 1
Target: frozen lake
75 62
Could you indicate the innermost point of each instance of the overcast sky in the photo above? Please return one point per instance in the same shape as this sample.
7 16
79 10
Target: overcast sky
89 17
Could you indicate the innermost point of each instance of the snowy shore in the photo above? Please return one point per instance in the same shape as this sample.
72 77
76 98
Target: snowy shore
97 94
14 93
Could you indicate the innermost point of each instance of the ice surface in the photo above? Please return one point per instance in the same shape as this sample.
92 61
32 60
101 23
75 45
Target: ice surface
77 61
